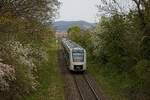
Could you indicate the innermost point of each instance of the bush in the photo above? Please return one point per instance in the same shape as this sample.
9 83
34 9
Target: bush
25 58
142 70
7 75
23 39
22 45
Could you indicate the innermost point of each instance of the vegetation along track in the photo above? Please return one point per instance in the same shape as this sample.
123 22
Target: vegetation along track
85 87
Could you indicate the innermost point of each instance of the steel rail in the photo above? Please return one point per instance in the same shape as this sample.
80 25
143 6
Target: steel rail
92 89
78 87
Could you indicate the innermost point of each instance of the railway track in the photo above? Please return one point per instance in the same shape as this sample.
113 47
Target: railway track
85 88
78 86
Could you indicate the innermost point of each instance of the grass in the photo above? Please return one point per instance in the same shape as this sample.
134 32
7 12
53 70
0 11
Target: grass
111 83
51 85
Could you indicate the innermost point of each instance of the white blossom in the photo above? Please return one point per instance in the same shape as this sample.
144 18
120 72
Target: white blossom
25 56
7 74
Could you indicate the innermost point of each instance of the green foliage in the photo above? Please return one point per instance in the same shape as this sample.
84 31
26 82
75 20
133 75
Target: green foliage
39 10
142 69
80 36
74 33
49 78
123 46
145 47
119 45
111 37
139 89
25 33
23 30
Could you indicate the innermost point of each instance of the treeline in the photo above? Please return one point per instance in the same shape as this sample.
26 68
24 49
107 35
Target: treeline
25 35
120 43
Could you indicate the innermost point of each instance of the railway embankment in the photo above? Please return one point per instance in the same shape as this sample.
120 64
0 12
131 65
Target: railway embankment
111 84
51 85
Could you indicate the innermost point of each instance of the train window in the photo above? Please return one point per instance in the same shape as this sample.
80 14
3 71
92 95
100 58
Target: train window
78 55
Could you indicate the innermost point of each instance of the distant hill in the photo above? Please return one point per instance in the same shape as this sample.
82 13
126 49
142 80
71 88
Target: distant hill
62 26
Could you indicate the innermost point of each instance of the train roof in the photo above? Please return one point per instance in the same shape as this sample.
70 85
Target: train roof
70 44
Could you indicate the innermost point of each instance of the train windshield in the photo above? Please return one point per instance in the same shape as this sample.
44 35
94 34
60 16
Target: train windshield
78 55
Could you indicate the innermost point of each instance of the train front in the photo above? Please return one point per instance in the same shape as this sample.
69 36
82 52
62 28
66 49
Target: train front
78 59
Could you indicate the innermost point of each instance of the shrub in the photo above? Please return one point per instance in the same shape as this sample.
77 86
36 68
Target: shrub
25 60
142 70
7 75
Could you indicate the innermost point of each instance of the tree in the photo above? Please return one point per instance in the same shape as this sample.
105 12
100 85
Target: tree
41 10
74 33
25 34
82 37
143 9
123 42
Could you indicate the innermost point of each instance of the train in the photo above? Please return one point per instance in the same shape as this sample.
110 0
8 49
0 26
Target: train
75 55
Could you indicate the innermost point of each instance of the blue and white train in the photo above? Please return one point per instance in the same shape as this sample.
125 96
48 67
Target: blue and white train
75 55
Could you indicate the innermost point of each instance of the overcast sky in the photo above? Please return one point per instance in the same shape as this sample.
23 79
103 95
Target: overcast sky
78 10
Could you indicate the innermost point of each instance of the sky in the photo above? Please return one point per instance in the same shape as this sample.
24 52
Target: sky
73 10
